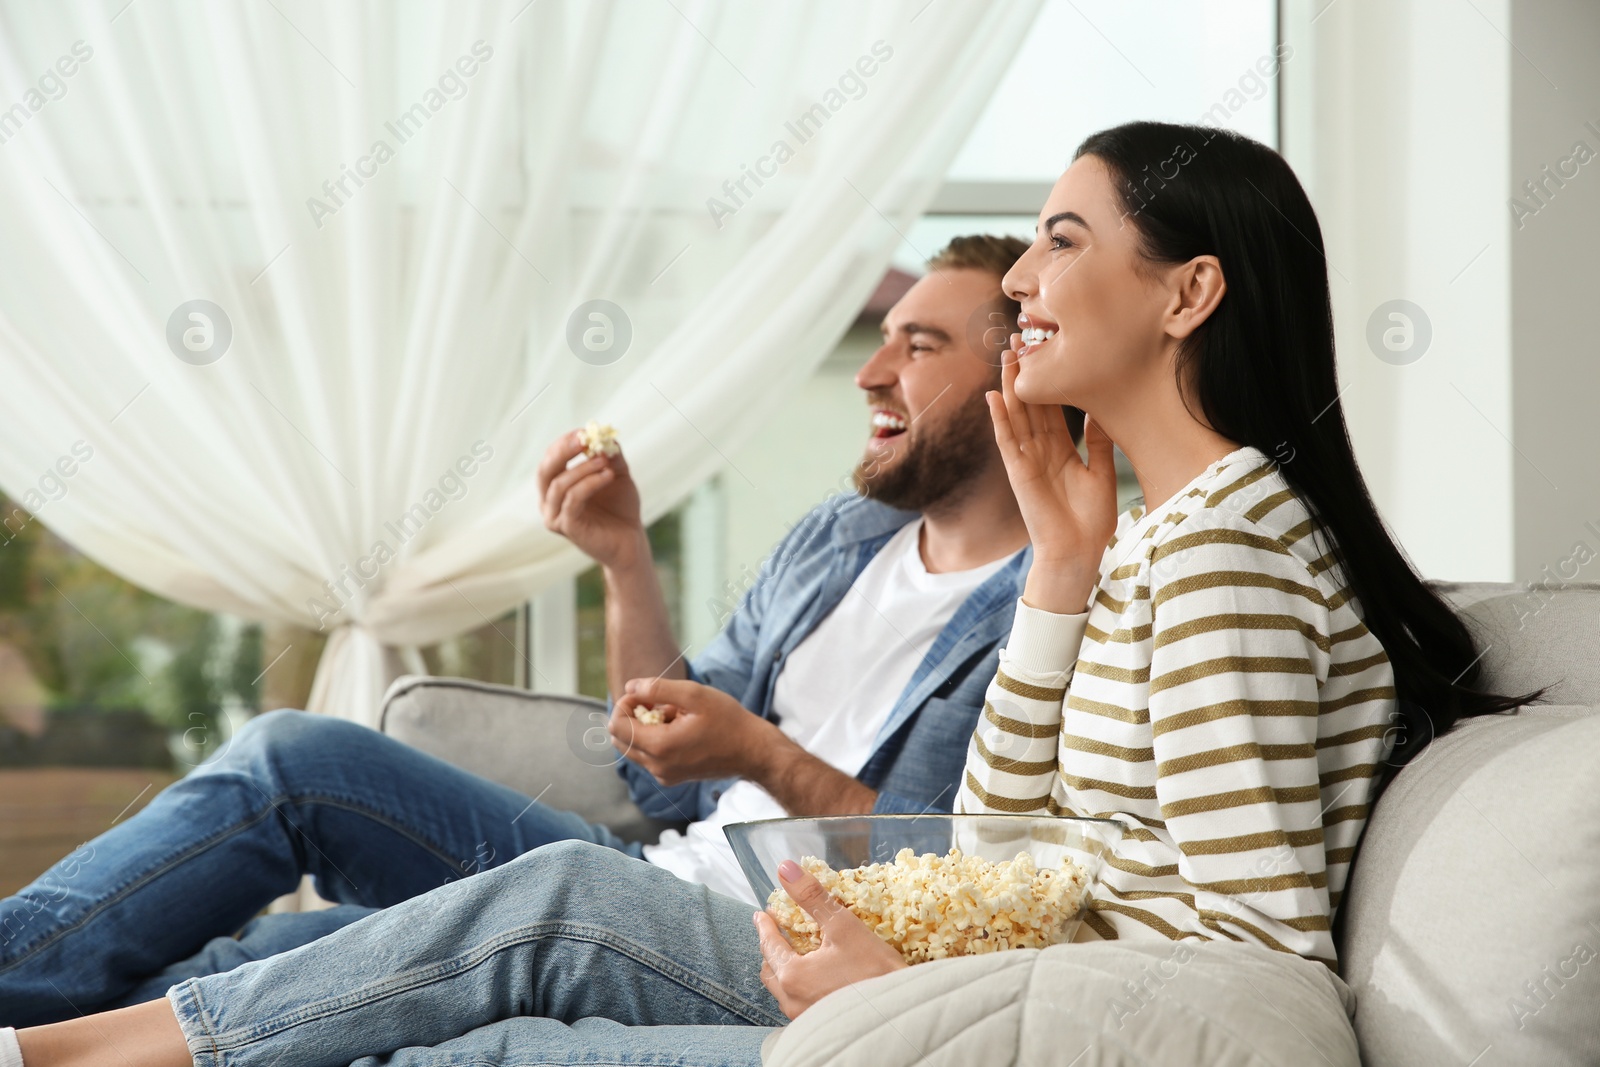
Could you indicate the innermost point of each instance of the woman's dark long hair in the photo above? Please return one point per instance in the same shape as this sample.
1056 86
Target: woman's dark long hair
1261 370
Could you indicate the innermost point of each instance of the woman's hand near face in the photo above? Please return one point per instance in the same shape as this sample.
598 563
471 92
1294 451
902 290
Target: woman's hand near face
1070 507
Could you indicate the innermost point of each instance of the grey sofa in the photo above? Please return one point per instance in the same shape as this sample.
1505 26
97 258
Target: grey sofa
1470 933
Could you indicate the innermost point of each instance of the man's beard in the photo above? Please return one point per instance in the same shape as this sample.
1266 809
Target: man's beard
937 466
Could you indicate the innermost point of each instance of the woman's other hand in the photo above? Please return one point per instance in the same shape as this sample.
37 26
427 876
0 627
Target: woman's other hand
1069 506
850 951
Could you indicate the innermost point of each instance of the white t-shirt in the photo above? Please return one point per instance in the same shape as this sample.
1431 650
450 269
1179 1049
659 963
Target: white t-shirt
834 693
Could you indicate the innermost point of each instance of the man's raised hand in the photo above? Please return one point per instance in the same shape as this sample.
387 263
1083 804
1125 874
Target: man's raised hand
594 504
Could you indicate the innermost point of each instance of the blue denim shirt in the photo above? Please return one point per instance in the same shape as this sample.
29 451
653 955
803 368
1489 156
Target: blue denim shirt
920 753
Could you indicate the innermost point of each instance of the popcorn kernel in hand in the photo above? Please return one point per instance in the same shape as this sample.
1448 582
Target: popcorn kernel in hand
599 438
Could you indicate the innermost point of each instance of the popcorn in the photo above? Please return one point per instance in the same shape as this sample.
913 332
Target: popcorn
652 716
933 907
599 438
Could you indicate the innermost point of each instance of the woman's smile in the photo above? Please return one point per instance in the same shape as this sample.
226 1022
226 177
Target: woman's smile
1036 333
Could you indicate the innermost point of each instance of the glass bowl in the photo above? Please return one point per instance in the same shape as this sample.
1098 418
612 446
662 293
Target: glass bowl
844 841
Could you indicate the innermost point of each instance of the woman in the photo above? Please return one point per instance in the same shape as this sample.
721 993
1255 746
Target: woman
1223 679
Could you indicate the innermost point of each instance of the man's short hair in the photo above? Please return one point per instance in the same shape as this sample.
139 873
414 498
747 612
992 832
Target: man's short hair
995 254
986 252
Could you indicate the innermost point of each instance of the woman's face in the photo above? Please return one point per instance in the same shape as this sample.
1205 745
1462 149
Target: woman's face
1092 307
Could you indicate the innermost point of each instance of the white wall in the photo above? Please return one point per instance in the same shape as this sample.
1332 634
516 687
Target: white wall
1414 124
1555 99
1397 119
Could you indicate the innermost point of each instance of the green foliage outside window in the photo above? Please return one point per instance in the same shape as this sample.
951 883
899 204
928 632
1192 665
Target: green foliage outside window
666 547
122 677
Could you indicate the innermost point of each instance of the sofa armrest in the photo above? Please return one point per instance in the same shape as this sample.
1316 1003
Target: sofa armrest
1533 636
550 747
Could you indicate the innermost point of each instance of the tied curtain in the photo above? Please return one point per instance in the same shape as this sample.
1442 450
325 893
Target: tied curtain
301 292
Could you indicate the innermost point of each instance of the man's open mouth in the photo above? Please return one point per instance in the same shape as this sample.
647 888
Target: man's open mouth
886 423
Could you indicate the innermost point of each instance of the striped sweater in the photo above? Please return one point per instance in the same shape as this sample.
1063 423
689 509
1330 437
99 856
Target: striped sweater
1221 699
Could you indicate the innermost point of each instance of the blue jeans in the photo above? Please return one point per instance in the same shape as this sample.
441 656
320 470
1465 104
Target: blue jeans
157 898
571 954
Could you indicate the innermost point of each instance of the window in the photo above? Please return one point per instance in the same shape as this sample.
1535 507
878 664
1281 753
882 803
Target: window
494 652
666 546
107 693
1086 65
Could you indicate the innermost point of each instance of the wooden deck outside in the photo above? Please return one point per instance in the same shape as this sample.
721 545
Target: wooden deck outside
47 812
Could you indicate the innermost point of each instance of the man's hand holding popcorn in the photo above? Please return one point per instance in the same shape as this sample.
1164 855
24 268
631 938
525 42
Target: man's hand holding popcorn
705 733
589 497
850 951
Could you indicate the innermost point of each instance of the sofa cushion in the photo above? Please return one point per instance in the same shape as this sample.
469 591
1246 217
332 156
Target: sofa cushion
1084 1004
1470 920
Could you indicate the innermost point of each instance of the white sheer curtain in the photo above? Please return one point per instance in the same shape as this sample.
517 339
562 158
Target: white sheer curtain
398 208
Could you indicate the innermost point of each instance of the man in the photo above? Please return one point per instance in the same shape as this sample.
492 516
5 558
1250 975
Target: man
849 680
865 646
